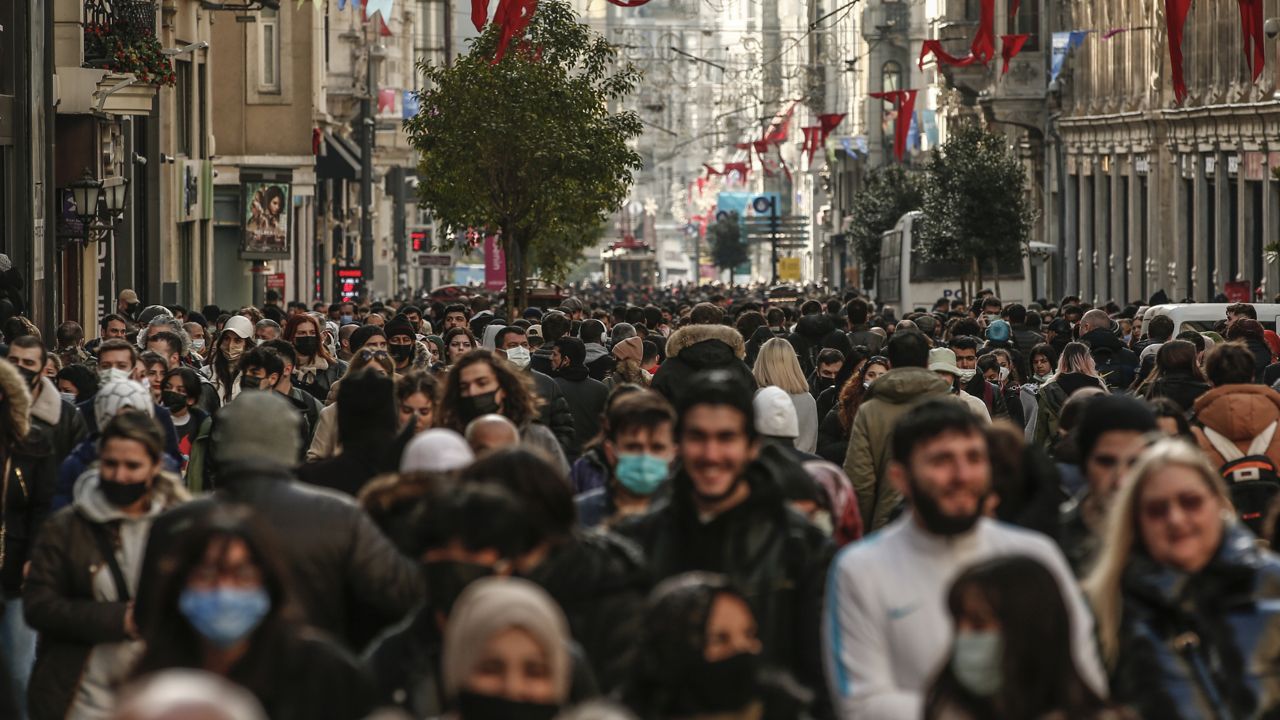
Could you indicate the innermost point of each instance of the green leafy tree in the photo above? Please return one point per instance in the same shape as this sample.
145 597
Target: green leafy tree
527 147
890 192
976 208
727 249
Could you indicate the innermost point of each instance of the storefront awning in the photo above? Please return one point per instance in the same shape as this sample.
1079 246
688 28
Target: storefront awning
339 159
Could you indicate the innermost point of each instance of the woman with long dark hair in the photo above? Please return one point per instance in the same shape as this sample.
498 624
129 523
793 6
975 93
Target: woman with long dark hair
224 364
317 369
221 605
833 433
1011 654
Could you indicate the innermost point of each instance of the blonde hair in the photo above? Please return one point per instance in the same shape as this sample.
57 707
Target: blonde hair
1102 586
778 365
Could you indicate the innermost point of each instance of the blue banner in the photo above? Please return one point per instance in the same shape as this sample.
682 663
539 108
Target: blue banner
1063 42
410 104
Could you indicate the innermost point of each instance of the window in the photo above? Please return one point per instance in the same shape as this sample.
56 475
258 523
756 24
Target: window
184 100
890 76
1028 22
269 51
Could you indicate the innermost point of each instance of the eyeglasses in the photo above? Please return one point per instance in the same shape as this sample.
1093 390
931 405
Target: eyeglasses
1188 503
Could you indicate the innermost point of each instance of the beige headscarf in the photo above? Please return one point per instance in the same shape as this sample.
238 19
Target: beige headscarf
491 605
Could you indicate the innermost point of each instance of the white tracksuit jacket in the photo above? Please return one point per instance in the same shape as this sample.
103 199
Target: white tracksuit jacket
886 628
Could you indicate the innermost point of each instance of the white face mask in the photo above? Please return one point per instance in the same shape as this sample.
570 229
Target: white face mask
967 375
1004 374
197 345
106 375
519 356
976 659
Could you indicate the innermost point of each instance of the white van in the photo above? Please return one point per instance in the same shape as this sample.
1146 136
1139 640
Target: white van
1202 317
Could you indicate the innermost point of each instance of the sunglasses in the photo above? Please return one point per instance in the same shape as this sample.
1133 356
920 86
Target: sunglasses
373 354
1187 502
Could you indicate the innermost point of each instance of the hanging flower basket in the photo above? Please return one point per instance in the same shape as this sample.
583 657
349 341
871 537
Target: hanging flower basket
124 48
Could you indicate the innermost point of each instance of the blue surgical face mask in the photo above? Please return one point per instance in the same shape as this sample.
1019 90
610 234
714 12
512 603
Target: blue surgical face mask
69 397
347 319
224 616
641 473
976 659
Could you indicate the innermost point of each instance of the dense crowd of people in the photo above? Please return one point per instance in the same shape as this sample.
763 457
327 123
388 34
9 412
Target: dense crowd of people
694 503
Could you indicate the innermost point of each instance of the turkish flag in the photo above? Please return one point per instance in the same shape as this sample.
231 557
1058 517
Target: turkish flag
981 49
1251 21
904 101
1010 46
1175 13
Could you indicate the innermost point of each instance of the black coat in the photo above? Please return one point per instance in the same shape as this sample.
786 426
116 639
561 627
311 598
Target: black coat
555 412
770 552
586 398
27 503
599 581
695 348
1116 363
347 577
1204 645
1180 388
807 339
833 438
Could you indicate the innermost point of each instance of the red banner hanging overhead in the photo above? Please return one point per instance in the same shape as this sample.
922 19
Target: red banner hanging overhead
628 3
829 122
512 16
1010 46
812 138
1175 13
1251 22
904 101
981 49
711 170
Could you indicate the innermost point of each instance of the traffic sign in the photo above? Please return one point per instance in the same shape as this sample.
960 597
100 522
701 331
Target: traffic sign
438 260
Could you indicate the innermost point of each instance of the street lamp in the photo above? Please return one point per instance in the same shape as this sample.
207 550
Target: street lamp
85 192
115 195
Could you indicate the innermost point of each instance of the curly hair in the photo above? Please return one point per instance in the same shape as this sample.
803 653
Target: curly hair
853 392
520 402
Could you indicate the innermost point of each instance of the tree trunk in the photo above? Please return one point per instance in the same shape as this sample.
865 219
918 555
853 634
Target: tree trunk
522 252
510 270
975 268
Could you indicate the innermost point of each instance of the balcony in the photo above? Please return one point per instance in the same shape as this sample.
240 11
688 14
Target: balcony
117 32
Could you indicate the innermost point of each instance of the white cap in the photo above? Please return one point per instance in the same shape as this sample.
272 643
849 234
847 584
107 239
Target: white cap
240 325
775 413
943 360
436 450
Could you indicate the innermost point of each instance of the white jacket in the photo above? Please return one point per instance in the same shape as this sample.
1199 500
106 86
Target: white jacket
886 628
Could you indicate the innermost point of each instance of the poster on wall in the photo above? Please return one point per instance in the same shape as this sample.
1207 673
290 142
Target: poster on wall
266 220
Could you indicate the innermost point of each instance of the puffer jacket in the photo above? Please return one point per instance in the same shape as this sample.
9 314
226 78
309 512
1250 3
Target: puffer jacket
867 459
31 475
695 348
1204 645
70 598
347 577
599 581
555 413
770 552
1240 413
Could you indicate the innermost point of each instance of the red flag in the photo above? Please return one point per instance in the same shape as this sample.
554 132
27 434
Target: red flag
1010 46
628 3
1175 13
771 158
778 129
826 123
811 140
513 17
1251 21
904 101
743 146
1013 10
711 170
981 49
479 13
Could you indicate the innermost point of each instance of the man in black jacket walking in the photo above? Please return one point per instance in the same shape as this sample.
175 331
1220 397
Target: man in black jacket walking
727 514
1116 363
586 395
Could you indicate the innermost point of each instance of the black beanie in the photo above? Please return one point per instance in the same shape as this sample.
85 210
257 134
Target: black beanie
1106 413
362 335
399 325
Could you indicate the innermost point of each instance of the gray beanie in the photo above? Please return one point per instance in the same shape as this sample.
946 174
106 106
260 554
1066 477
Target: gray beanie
257 426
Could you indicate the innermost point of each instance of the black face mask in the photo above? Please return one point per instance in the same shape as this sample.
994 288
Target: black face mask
721 686
446 579
174 401
473 706
822 383
123 494
473 407
931 516
401 353
30 376
132 308
308 346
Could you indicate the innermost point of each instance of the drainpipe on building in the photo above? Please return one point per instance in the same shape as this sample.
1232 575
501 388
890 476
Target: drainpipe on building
366 171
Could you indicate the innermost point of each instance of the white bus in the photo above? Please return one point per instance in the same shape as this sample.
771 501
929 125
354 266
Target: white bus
906 280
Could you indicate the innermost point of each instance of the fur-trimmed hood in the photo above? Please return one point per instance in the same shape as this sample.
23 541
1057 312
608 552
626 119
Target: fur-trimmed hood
18 396
691 335
48 405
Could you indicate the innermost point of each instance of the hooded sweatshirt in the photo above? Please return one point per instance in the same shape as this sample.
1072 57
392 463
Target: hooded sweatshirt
110 663
1239 414
867 458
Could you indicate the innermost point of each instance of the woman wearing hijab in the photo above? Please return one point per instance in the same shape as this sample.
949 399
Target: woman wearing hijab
506 652
628 353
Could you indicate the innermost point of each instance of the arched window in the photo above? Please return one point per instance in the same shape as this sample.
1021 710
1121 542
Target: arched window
891 76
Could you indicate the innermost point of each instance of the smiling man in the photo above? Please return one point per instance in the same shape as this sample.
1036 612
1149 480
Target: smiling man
887 629
727 515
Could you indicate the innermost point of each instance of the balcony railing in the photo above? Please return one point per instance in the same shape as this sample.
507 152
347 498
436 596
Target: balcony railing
105 20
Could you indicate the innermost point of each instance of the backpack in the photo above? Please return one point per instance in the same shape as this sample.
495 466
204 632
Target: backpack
1252 476
1117 373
